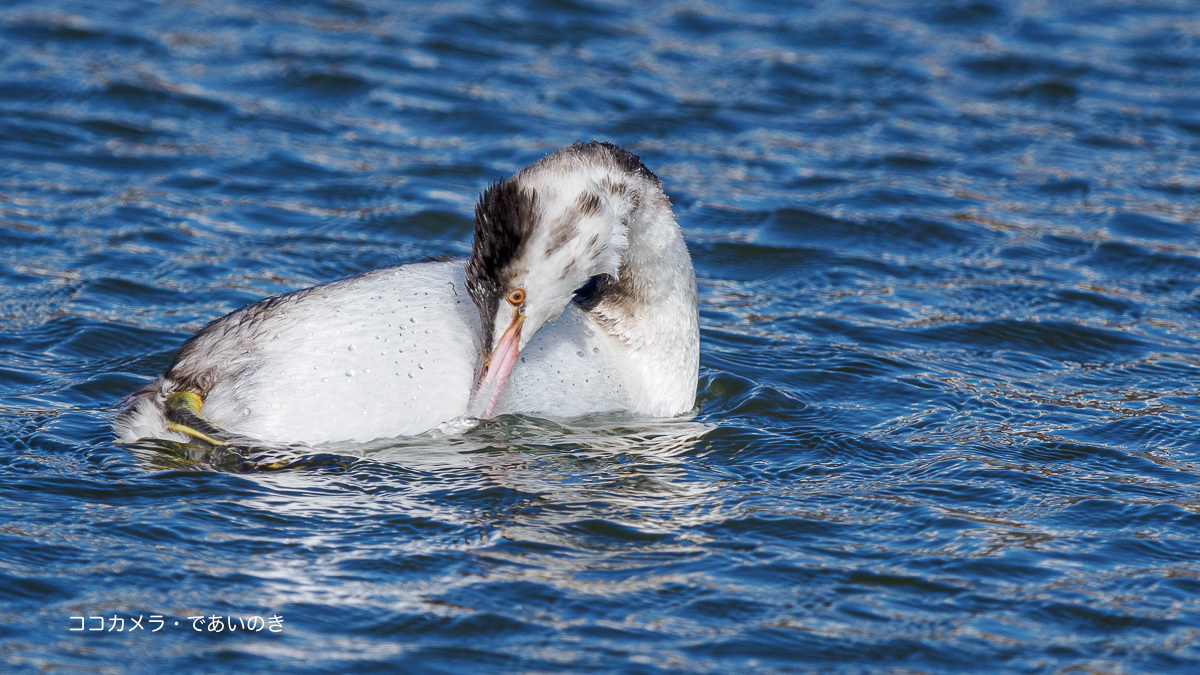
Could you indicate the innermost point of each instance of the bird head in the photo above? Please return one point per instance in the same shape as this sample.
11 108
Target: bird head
539 237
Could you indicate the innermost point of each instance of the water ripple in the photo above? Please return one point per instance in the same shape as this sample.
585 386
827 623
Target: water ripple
948 275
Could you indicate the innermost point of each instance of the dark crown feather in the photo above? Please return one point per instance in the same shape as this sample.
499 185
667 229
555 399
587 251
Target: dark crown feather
504 218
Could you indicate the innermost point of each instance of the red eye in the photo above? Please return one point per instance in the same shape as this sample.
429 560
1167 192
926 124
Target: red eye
516 296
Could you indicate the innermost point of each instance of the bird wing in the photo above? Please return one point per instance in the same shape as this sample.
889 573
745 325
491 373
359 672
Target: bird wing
388 353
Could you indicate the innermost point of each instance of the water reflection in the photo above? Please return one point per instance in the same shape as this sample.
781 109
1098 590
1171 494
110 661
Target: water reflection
629 464
525 500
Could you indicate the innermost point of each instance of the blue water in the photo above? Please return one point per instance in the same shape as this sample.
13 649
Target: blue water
949 264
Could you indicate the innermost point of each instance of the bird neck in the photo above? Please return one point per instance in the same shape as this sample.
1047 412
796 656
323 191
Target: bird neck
650 308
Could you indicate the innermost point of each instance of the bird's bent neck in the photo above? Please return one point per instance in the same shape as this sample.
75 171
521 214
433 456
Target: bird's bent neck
650 307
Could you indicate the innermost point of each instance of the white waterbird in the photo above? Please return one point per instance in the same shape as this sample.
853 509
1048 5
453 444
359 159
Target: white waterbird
579 297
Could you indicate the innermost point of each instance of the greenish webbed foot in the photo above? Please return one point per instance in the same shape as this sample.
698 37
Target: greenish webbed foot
183 415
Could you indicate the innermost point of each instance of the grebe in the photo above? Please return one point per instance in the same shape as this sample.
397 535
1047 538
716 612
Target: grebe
579 297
